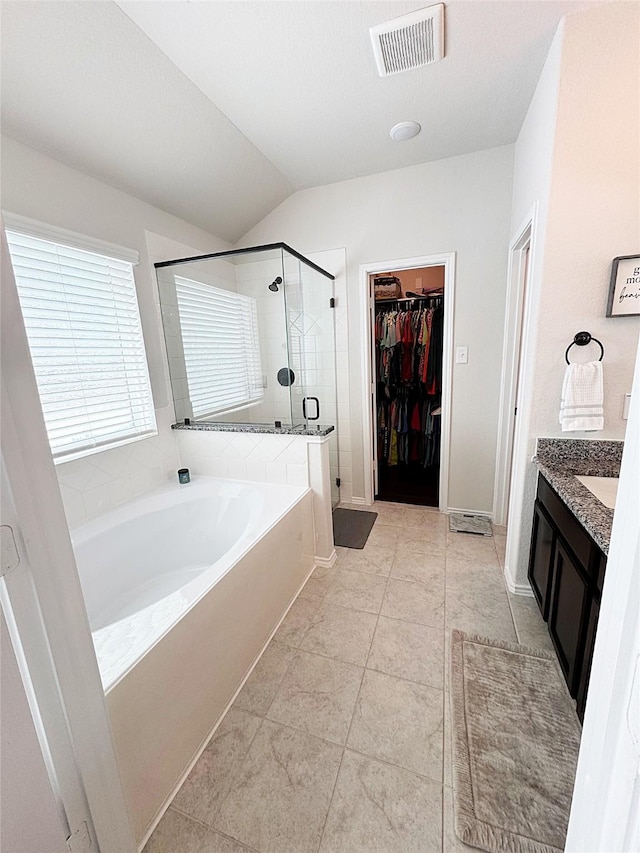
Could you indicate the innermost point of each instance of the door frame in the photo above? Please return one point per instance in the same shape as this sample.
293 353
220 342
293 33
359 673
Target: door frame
44 606
448 261
516 322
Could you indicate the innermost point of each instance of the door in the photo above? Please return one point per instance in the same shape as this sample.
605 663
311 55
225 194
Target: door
568 612
24 780
44 609
542 539
524 261
585 670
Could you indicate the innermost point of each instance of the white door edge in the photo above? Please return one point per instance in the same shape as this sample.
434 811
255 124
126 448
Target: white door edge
43 596
517 312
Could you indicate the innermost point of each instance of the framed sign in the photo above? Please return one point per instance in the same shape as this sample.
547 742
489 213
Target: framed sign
624 291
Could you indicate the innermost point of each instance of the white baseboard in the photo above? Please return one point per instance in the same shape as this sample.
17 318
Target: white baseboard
517 588
327 562
358 501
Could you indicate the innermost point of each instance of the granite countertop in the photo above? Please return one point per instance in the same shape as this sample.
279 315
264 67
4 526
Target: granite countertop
215 426
561 459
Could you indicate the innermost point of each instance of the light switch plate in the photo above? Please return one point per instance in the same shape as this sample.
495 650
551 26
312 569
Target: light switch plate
625 407
462 355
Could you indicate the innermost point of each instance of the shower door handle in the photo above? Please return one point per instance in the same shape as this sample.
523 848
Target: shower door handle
304 408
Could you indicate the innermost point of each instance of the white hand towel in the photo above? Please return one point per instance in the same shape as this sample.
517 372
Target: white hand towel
581 407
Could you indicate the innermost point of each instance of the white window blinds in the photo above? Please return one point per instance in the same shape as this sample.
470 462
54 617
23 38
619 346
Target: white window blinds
83 325
221 347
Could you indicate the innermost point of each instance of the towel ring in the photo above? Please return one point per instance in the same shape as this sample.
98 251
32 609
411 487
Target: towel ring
581 340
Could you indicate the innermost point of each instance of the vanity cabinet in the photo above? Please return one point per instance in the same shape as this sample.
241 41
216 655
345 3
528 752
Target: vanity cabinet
566 571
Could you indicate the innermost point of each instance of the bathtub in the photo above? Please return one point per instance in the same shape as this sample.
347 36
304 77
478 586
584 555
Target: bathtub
184 587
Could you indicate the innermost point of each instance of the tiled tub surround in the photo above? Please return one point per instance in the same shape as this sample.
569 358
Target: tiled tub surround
559 460
200 639
102 481
291 459
340 740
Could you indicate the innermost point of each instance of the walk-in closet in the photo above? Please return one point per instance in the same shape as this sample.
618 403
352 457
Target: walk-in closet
408 345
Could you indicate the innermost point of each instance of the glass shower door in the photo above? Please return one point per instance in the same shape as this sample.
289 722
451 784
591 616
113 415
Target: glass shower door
319 405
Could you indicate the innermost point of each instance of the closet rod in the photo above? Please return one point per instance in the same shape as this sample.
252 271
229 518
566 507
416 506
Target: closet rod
403 299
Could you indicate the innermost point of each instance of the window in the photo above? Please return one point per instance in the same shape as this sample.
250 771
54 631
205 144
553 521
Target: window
221 347
82 321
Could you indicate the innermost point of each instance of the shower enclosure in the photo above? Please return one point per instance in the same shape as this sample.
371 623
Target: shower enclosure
251 341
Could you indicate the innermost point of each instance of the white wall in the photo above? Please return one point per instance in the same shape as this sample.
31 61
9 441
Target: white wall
460 204
592 215
43 189
531 186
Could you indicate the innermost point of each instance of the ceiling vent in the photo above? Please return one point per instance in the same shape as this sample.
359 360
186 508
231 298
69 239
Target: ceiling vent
409 41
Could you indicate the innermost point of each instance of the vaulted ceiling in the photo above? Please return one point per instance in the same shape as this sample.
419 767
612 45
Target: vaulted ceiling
216 111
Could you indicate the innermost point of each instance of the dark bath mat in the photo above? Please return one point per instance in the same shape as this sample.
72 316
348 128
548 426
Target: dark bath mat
351 527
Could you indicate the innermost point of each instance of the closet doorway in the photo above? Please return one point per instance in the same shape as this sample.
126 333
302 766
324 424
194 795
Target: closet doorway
409 377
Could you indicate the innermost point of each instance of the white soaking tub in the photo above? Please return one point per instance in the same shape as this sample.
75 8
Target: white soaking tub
184 587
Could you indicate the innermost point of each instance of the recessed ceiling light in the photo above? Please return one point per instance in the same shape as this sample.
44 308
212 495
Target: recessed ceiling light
404 130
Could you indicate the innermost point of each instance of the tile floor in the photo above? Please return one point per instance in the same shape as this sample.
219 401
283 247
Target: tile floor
340 739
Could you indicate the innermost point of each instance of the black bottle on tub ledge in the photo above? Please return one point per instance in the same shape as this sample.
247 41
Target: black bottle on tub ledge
184 476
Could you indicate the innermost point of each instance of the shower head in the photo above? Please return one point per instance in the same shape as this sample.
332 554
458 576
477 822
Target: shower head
274 284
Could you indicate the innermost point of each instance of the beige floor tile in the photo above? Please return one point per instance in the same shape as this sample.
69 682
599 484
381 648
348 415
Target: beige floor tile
280 800
318 695
356 590
324 573
204 790
403 516
480 550
315 589
400 722
433 547
377 808
530 626
407 650
296 622
372 559
501 547
415 602
423 540
450 841
340 633
215 842
422 568
259 689
176 832
477 612
383 536
482 576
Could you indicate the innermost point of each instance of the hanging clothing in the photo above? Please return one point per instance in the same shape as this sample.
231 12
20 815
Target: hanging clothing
409 379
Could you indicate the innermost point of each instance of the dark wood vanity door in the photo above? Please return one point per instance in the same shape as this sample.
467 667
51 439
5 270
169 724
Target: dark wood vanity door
568 612
540 559
583 683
